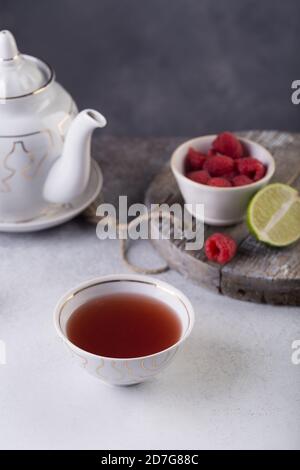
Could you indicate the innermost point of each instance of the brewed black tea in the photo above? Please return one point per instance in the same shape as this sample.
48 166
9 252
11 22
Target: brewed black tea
124 326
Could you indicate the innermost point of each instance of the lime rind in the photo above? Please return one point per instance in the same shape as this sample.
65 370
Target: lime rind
272 215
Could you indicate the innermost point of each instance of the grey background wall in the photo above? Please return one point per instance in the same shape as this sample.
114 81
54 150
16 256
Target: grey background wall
169 67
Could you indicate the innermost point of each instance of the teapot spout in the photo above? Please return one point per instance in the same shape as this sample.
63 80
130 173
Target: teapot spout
69 175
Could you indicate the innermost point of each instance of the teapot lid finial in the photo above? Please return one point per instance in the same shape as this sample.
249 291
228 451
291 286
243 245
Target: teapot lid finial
8 46
20 75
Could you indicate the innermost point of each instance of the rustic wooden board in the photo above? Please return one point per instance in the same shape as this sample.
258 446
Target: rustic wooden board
257 273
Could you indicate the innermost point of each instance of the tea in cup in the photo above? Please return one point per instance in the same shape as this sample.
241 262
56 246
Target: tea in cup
124 329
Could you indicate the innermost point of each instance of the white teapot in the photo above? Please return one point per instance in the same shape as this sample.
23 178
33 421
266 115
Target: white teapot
44 143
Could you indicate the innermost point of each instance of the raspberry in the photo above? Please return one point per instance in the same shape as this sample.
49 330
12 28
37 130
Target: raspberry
241 180
232 175
200 176
218 165
251 167
227 144
219 182
220 248
194 160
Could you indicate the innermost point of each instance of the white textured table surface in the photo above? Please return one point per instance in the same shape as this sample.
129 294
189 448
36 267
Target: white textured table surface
232 386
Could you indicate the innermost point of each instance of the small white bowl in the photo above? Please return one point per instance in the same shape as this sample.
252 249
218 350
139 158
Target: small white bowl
117 371
222 206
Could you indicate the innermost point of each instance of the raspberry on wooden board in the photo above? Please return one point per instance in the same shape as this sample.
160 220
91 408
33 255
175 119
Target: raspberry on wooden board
220 248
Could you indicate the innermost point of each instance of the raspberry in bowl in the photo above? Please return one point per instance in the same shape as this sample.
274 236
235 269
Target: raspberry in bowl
222 172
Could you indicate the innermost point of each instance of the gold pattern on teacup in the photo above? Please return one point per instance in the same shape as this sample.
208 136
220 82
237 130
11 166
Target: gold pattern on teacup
131 373
99 369
120 372
149 365
83 360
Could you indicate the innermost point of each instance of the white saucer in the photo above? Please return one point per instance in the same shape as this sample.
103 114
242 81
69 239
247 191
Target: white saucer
57 214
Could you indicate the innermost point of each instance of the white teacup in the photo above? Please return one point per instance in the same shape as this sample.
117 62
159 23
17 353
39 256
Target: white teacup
124 371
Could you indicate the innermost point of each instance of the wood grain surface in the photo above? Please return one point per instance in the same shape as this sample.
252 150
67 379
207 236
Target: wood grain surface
258 273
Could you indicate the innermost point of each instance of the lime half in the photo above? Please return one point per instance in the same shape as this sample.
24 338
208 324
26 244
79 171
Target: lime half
273 215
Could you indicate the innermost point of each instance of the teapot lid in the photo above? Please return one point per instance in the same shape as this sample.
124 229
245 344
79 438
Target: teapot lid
20 75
